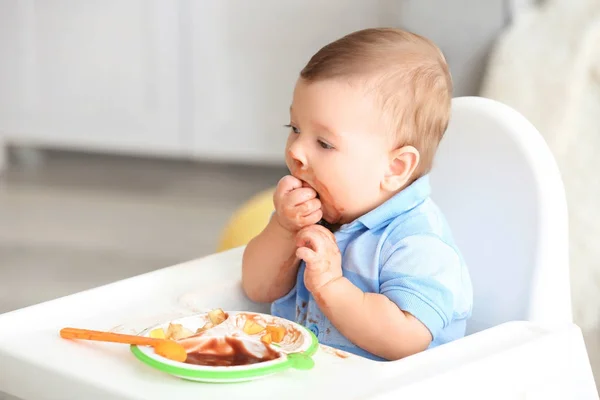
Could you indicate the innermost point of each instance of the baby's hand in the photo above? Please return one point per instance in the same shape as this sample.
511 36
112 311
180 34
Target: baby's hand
296 206
318 248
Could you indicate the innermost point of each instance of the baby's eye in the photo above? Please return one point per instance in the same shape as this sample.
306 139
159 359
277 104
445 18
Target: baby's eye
294 129
325 145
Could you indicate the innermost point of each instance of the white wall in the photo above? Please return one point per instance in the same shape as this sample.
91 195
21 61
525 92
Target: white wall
91 74
464 30
246 56
207 79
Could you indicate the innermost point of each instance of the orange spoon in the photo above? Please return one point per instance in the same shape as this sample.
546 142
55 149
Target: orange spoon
166 348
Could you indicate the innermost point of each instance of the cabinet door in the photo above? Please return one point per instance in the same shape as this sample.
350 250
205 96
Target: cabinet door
246 56
94 74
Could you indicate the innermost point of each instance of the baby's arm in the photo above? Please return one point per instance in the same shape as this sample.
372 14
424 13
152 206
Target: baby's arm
392 324
270 265
371 321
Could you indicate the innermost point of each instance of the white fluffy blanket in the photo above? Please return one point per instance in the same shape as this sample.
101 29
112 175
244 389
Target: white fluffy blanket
547 66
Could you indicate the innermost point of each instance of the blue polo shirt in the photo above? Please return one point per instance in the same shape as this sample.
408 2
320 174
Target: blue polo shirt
404 250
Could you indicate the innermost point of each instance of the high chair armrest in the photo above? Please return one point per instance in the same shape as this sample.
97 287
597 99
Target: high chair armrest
513 360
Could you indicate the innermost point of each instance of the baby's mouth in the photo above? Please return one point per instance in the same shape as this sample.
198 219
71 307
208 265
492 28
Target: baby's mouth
331 226
322 222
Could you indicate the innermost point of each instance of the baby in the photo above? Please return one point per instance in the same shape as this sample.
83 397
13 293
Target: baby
367 115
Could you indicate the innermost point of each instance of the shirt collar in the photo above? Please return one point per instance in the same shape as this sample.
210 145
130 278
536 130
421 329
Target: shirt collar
403 201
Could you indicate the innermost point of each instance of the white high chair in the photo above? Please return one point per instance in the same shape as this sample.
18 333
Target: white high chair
500 190
498 185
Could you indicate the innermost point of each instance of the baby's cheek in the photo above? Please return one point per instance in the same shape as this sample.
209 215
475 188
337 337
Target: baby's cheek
344 194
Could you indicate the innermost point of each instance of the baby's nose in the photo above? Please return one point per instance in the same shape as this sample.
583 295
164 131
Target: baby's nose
298 159
298 164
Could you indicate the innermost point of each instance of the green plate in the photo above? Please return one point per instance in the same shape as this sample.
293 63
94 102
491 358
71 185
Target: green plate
296 349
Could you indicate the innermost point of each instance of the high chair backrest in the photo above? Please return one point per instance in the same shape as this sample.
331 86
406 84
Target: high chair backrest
499 187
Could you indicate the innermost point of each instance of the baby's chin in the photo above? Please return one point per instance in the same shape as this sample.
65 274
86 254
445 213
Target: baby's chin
330 214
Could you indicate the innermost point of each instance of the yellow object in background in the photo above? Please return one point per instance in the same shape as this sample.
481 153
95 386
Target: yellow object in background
248 221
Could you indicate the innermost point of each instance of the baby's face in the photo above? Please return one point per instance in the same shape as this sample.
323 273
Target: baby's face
338 145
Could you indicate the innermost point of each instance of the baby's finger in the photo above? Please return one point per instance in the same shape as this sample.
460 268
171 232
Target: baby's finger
309 207
287 184
312 218
299 196
325 234
306 254
310 237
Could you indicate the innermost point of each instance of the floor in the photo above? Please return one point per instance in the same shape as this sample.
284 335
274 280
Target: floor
69 222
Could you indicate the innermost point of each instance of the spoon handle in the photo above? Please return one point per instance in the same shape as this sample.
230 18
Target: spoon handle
85 334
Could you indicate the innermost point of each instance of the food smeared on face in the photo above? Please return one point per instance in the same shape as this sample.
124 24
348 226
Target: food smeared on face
332 212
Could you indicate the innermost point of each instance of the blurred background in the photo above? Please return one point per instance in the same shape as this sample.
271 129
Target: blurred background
131 130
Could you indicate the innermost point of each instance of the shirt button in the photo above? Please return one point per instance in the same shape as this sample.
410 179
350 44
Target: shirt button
314 329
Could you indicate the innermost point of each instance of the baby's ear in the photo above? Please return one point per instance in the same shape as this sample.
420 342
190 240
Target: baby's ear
402 164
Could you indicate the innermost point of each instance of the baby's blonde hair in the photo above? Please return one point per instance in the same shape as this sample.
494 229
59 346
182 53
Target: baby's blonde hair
407 72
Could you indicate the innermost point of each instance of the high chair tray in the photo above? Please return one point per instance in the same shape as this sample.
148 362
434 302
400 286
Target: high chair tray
507 361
